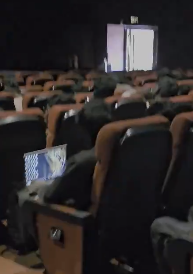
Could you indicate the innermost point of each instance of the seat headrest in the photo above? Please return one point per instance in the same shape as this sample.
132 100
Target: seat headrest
65 82
67 88
106 140
113 99
139 80
93 75
27 97
181 98
131 99
69 77
79 97
54 114
121 88
188 82
40 76
32 88
48 85
7 94
179 127
191 93
29 111
108 131
88 84
73 75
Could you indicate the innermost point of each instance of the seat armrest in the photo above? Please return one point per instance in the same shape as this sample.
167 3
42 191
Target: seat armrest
64 236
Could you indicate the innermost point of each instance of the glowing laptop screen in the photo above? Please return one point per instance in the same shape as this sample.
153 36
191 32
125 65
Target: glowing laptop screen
45 164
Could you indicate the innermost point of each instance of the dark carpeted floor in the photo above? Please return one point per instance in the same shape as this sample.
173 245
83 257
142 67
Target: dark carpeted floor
31 260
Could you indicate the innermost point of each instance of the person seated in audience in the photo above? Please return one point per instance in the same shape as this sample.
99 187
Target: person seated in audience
83 86
175 74
120 77
73 188
61 99
167 87
80 167
93 116
169 109
104 87
10 83
84 126
163 231
167 83
129 91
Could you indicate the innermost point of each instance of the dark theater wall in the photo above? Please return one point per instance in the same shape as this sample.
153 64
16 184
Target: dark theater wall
42 34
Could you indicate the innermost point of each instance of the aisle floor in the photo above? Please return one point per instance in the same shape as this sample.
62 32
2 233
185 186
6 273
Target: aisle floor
12 263
10 267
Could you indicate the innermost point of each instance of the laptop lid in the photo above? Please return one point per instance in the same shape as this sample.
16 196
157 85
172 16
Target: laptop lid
45 164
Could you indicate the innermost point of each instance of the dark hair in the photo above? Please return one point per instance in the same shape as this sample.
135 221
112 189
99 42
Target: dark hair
158 107
176 109
169 109
184 90
104 87
94 116
61 99
67 89
167 87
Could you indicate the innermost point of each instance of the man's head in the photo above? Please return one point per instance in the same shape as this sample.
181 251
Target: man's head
61 99
94 116
104 87
169 109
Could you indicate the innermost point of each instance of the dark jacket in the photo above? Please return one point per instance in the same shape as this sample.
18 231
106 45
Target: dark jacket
167 86
169 109
61 99
74 187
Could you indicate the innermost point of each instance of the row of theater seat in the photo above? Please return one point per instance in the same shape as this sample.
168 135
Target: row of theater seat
142 82
126 108
139 106
45 81
59 133
133 107
28 99
138 78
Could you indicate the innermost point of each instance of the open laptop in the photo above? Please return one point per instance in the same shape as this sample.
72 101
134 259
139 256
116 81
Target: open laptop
45 165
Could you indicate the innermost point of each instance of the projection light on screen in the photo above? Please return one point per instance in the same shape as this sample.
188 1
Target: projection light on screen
134 20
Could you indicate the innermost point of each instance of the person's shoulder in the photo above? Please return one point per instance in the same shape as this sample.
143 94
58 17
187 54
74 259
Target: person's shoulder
84 155
80 163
